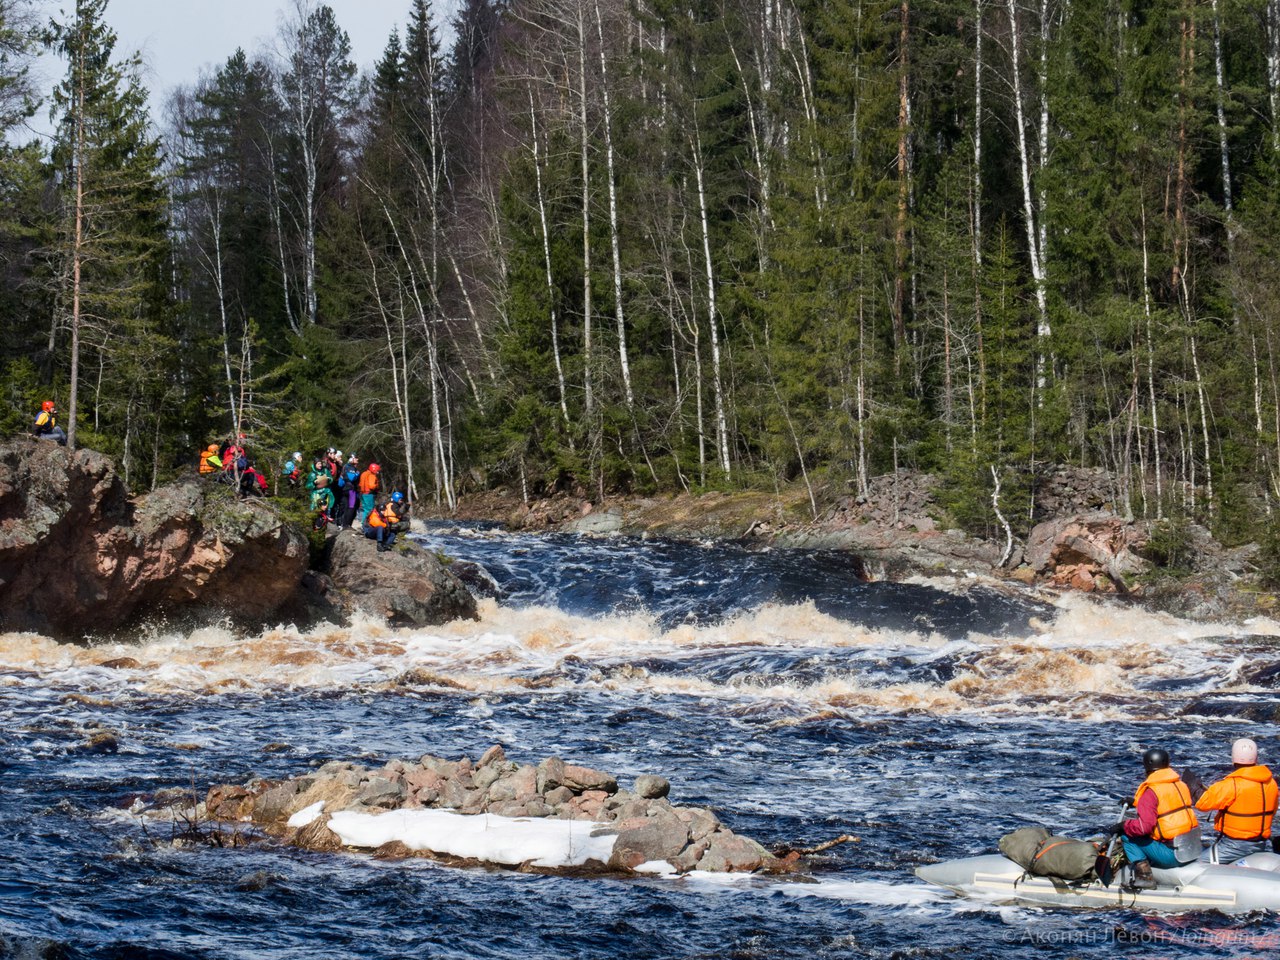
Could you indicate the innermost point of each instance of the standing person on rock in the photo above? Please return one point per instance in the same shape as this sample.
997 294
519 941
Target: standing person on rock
370 483
1245 801
46 424
322 502
348 497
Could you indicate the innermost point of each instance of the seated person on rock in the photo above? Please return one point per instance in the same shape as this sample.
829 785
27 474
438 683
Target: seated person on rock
1165 833
46 425
386 522
1245 801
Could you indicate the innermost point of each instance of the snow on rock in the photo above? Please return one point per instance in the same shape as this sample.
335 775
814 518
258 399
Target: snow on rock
547 816
306 815
486 837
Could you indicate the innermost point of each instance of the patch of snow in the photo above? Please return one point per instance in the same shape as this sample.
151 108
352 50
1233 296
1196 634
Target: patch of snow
485 836
306 815
660 867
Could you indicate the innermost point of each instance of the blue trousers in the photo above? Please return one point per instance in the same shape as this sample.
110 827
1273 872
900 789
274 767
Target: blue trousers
1228 849
384 535
1146 848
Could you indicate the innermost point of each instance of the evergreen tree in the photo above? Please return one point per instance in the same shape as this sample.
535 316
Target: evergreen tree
113 243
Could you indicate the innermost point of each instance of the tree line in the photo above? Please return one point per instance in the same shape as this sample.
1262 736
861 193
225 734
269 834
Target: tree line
640 246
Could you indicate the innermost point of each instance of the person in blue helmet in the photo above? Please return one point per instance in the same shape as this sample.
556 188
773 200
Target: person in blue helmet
387 522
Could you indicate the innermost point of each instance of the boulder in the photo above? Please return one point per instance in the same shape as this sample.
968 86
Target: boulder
407 586
77 554
580 779
317 836
728 852
550 774
641 840
652 787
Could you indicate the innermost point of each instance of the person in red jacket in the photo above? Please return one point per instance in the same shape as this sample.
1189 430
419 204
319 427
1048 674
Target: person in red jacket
1165 833
1245 801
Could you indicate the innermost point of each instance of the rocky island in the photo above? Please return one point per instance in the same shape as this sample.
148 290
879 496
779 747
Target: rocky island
551 817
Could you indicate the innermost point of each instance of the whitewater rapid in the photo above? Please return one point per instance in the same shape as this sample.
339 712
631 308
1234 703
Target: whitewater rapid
1083 659
797 701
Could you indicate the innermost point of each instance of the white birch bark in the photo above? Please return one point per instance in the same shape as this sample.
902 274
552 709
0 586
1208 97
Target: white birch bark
722 425
1273 69
546 262
613 217
1028 201
1221 89
588 392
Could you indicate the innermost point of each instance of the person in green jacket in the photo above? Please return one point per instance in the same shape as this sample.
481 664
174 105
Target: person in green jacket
322 502
317 470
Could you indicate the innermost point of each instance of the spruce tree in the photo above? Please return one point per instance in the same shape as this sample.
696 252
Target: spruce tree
113 242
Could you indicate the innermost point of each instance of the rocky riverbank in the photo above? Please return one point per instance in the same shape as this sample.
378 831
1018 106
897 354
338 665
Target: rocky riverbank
552 817
80 557
898 530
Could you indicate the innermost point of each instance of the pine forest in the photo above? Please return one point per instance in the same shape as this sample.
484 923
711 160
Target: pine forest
637 247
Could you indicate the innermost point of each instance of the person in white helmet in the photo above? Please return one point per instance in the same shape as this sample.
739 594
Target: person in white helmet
1245 801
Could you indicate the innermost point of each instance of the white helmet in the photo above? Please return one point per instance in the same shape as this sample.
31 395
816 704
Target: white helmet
297 455
331 451
339 455
1244 751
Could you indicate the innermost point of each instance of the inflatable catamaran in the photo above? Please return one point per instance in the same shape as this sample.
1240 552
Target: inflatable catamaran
1249 884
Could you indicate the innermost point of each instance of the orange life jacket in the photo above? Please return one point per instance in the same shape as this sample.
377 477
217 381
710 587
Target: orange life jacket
368 482
376 519
205 457
1175 814
1246 801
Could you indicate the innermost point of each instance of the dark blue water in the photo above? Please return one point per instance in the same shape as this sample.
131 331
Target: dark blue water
80 877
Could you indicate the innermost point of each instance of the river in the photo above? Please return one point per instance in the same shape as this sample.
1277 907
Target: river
927 718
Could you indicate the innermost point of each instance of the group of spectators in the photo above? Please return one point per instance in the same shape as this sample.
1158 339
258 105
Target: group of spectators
339 494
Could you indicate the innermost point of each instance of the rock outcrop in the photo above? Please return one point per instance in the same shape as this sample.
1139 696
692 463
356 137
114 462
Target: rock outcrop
1090 552
407 585
79 556
645 826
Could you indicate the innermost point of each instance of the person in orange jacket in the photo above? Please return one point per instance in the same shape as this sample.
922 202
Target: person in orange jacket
1245 801
1165 833
387 522
370 483
210 462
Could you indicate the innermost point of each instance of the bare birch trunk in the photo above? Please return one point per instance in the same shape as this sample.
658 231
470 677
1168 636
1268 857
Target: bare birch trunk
546 262
613 219
1028 203
900 224
588 393
722 425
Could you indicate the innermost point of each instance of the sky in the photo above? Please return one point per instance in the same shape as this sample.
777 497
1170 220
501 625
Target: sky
180 38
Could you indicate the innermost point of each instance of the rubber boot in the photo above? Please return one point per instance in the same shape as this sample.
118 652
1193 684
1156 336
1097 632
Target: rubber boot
1141 877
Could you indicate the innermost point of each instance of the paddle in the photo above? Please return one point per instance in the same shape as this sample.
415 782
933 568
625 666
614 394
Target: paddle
1102 865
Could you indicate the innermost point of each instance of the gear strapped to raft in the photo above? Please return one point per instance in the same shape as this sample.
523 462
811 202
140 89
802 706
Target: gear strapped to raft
1041 854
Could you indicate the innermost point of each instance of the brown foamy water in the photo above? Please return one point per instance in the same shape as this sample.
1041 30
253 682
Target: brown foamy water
1092 660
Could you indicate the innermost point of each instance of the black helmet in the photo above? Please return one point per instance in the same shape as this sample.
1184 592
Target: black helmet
1155 759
